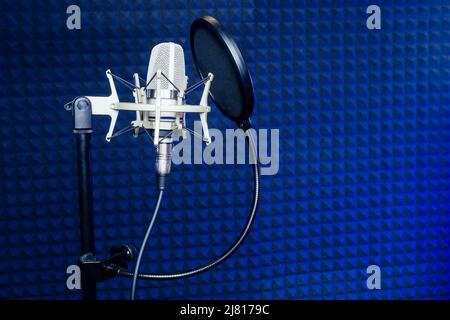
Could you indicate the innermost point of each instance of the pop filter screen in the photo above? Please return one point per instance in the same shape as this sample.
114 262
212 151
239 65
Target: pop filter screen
215 51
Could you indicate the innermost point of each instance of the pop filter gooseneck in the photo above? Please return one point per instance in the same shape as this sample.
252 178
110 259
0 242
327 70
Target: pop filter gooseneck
215 52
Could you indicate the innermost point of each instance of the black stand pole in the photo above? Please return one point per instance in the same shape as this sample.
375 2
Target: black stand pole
82 112
85 193
92 270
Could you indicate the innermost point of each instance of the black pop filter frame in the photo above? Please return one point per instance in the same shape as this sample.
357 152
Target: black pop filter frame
233 54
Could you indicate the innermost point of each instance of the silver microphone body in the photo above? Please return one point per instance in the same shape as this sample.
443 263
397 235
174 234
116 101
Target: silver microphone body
168 58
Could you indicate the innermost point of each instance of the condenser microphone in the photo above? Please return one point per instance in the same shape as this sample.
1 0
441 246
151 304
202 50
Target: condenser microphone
167 63
160 104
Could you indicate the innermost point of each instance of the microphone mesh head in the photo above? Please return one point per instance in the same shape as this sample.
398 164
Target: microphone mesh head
169 58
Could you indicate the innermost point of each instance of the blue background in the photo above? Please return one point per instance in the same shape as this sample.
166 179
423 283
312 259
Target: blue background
365 151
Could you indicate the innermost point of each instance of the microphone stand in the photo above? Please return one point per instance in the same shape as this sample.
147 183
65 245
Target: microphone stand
92 270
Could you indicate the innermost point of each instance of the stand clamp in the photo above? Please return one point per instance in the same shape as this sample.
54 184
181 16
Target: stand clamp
94 271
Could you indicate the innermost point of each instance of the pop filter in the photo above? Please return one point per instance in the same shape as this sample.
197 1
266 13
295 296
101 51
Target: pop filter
215 51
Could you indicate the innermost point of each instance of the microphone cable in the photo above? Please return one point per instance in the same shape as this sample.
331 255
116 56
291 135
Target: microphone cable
144 243
251 216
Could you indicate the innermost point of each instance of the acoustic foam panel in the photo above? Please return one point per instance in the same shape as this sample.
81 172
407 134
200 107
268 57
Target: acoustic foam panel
364 151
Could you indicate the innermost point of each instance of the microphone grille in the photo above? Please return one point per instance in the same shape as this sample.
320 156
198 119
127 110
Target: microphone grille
169 58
